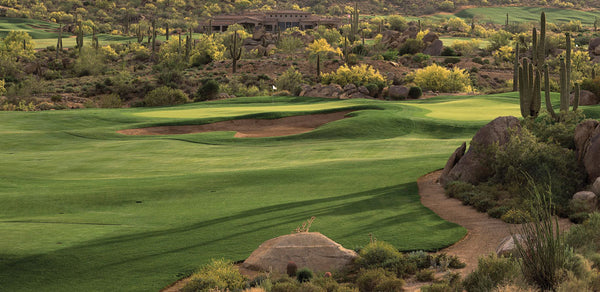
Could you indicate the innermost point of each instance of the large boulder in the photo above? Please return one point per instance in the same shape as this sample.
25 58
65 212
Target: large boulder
398 92
475 166
312 250
593 46
596 187
588 200
587 147
452 161
430 37
507 246
434 48
320 90
586 97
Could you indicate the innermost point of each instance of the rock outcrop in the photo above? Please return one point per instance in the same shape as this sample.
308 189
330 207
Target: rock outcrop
475 166
312 250
507 246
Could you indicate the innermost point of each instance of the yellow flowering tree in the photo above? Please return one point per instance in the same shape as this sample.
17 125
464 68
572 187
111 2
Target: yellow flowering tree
321 48
441 79
358 75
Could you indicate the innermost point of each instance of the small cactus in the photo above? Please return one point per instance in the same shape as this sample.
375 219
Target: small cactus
291 269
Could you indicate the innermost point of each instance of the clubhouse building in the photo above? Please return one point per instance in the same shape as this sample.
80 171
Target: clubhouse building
272 21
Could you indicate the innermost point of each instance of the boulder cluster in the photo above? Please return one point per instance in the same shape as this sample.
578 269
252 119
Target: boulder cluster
392 39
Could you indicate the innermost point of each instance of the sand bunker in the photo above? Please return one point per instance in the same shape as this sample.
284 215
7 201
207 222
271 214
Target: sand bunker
249 127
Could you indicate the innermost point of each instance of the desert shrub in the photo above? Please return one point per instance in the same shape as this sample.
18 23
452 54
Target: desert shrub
515 216
360 49
304 275
452 60
498 211
415 92
449 283
421 58
412 46
438 78
466 48
585 237
397 22
208 90
52 74
390 55
327 283
218 274
546 129
444 261
164 95
285 287
457 24
579 217
420 258
454 188
289 44
449 51
498 39
109 101
376 253
376 279
525 158
310 287
358 75
491 272
543 251
425 275
290 80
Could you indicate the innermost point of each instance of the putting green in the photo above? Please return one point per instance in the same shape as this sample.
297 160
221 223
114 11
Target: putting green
219 111
470 109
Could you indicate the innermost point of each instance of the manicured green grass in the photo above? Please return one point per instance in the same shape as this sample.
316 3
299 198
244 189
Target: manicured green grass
449 41
45 34
528 14
87 209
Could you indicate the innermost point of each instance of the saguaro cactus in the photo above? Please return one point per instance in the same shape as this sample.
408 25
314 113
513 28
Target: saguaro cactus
79 37
529 89
235 50
516 69
354 23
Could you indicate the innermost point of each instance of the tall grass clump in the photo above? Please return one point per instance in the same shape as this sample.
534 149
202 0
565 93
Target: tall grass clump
492 271
542 250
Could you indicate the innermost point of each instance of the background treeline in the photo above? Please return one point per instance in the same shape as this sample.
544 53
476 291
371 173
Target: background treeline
119 16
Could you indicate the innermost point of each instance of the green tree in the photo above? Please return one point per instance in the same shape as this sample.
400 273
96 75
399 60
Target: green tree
397 22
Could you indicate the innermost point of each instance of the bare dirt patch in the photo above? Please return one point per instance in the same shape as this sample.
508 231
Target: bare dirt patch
248 127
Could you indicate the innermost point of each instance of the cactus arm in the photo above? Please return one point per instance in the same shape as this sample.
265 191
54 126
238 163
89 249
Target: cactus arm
549 107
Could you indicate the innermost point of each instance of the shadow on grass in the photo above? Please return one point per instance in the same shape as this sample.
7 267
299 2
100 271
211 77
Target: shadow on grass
149 260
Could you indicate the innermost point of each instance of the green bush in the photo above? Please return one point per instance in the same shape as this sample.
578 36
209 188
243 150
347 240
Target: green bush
377 253
498 211
412 46
585 238
397 22
547 130
290 80
375 279
452 60
360 49
491 272
425 275
109 101
421 259
304 275
285 287
421 58
218 274
454 188
208 90
415 92
390 55
163 96
525 158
